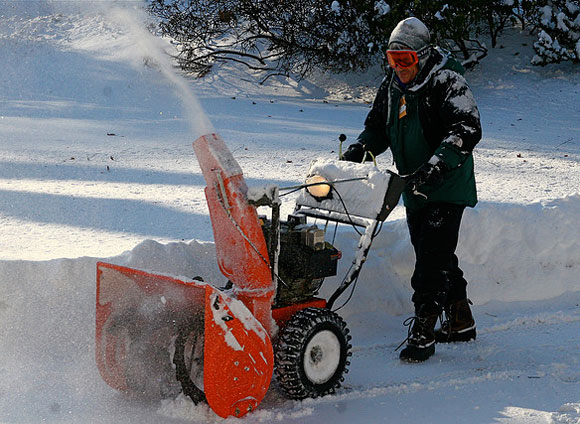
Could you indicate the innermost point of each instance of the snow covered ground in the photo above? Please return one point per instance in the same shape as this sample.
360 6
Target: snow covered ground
96 163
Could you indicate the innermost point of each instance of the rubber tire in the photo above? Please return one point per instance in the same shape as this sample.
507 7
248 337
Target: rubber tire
182 371
290 351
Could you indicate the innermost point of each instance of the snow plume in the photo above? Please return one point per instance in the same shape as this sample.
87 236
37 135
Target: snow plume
153 52
115 31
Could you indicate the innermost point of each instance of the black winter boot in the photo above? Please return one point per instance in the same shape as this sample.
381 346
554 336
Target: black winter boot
459 325
421 338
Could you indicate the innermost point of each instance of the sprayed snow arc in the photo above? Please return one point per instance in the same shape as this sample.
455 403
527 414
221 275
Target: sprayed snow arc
97 165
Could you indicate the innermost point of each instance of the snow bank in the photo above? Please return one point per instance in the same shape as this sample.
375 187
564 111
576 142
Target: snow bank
522 252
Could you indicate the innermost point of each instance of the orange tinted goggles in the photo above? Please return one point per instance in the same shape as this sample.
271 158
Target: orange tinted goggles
402 58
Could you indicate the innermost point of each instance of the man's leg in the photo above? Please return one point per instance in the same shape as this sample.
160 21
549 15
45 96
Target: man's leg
437 274
434 232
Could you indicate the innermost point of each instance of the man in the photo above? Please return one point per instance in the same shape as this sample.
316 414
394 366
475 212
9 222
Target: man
425 112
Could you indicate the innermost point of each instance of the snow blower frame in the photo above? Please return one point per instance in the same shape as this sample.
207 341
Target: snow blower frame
159 335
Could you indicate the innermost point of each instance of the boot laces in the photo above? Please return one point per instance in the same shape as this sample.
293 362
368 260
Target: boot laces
410 324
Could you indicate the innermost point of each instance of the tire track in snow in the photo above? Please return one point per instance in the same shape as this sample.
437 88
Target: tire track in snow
377 390
544 318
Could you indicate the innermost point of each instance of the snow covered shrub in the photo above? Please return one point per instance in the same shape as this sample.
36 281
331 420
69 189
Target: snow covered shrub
559 37
454 24
283 37
295 37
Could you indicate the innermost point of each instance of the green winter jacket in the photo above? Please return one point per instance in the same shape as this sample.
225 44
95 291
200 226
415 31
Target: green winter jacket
441 118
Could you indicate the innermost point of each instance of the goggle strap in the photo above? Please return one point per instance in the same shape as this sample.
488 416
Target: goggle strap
423 51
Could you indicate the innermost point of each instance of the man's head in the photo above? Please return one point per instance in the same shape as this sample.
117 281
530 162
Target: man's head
410 33
408 48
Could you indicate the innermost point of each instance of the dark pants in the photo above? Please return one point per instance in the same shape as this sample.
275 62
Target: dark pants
437 279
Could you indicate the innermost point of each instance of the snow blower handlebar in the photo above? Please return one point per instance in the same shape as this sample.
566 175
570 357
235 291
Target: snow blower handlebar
359 195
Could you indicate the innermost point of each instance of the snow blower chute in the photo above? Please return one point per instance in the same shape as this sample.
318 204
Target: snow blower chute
158 335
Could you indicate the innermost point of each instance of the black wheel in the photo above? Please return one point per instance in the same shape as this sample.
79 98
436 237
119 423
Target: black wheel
188 360
311 353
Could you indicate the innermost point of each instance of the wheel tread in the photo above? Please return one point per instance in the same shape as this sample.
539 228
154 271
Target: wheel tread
288 352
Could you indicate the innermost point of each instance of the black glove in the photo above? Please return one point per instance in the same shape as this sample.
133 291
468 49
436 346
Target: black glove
354 153
428 173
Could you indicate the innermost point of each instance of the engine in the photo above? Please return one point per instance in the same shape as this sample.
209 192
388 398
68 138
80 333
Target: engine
305 259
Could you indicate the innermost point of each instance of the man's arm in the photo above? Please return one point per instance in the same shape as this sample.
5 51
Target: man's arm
374 137
459 117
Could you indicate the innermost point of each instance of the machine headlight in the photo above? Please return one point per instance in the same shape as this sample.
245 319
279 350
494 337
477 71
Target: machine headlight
318 186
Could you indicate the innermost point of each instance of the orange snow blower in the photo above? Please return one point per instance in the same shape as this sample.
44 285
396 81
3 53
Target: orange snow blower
159 335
